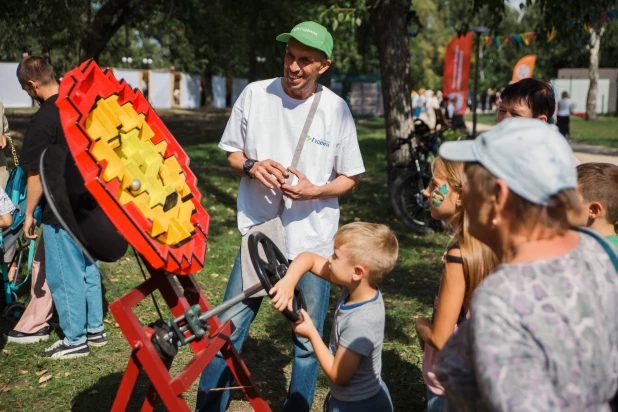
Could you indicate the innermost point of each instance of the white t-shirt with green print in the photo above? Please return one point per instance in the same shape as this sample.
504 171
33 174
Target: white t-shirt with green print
266 123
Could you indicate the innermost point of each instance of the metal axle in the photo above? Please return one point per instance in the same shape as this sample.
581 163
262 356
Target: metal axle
217 310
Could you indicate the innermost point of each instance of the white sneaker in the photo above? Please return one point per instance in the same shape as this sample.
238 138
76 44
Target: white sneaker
60 350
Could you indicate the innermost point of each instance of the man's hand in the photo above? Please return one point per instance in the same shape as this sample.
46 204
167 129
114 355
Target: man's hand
304 189
30 227
304 327
3 141
269 172
282 294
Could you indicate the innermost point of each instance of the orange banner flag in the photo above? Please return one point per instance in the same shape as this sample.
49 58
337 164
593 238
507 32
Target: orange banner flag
524 68
457 70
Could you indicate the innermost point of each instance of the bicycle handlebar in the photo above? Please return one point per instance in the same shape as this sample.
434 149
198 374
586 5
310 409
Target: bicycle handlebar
423 137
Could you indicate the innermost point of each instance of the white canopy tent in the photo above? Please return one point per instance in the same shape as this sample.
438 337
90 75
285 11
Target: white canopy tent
132 77
160 89
190 91
11 93
238 85
578 92
218 92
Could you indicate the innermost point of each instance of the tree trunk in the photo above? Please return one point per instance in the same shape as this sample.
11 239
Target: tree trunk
207 94
389 18
253 66
593 71
107 20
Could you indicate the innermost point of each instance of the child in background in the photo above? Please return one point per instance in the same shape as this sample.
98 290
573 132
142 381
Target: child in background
450 108
598 186
465 263
416 104
364 254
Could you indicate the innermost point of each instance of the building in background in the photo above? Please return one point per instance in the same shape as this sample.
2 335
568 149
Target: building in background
576 83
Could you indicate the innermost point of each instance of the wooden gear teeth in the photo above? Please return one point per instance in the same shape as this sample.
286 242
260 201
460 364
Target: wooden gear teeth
135 169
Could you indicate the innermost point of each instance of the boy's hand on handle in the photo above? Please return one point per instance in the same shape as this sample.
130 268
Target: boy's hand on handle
30 227
3 140
304 327
282 294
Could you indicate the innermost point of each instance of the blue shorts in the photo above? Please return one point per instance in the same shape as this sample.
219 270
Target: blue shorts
381 401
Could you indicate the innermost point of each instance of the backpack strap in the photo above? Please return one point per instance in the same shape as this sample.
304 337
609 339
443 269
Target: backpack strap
13 151
603 242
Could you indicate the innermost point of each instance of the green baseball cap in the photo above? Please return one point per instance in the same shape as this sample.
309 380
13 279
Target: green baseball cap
310 34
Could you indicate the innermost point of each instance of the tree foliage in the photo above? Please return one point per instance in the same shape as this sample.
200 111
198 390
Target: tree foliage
355 50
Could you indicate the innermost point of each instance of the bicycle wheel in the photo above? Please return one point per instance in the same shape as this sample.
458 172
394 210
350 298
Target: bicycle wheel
408 201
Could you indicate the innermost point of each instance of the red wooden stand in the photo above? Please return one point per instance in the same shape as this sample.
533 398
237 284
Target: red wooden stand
144 356
80 92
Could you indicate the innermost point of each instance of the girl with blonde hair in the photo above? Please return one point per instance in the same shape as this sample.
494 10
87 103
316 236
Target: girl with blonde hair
465 263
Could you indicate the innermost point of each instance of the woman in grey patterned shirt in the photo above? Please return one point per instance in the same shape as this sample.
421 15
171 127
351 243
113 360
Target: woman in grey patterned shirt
543 331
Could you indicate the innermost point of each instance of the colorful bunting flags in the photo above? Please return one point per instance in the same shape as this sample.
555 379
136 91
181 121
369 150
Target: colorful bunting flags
519 40
528 39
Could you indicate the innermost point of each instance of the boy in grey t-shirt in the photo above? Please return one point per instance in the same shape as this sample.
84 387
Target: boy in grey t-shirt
364 253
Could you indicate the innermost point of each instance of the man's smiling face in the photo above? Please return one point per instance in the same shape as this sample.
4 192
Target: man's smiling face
301 67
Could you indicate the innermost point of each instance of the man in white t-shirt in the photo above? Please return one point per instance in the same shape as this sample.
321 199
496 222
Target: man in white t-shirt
260 138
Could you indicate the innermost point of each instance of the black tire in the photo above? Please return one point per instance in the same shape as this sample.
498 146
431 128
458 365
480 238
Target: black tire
408 202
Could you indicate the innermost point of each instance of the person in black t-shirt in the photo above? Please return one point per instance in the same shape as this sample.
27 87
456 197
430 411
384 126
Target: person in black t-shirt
74 282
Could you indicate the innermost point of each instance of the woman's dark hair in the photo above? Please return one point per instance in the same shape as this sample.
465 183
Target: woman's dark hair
536 94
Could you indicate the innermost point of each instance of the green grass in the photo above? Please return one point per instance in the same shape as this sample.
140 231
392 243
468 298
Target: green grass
90 384
482 118
600 132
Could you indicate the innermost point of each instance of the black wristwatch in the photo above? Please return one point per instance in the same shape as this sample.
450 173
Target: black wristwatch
246 167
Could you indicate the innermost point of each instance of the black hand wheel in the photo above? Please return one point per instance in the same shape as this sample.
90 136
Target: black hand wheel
271 270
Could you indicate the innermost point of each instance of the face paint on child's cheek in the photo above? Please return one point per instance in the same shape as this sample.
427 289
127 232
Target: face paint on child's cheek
437 196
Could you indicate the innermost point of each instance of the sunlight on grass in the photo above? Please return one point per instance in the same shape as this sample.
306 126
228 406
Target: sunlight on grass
601 132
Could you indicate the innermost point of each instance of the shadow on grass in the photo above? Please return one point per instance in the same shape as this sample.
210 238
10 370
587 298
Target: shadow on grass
266 363
404 381
97 397
207 188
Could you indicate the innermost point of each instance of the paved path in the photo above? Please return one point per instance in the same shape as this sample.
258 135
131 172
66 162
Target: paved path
586 153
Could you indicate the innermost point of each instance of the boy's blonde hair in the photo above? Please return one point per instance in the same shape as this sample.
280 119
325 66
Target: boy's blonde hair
370 244
598 182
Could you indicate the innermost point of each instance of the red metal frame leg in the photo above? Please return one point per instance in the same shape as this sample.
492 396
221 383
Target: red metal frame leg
144 356
243 377
126 386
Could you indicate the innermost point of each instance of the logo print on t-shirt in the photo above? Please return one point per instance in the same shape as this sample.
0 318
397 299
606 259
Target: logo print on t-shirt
318 141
